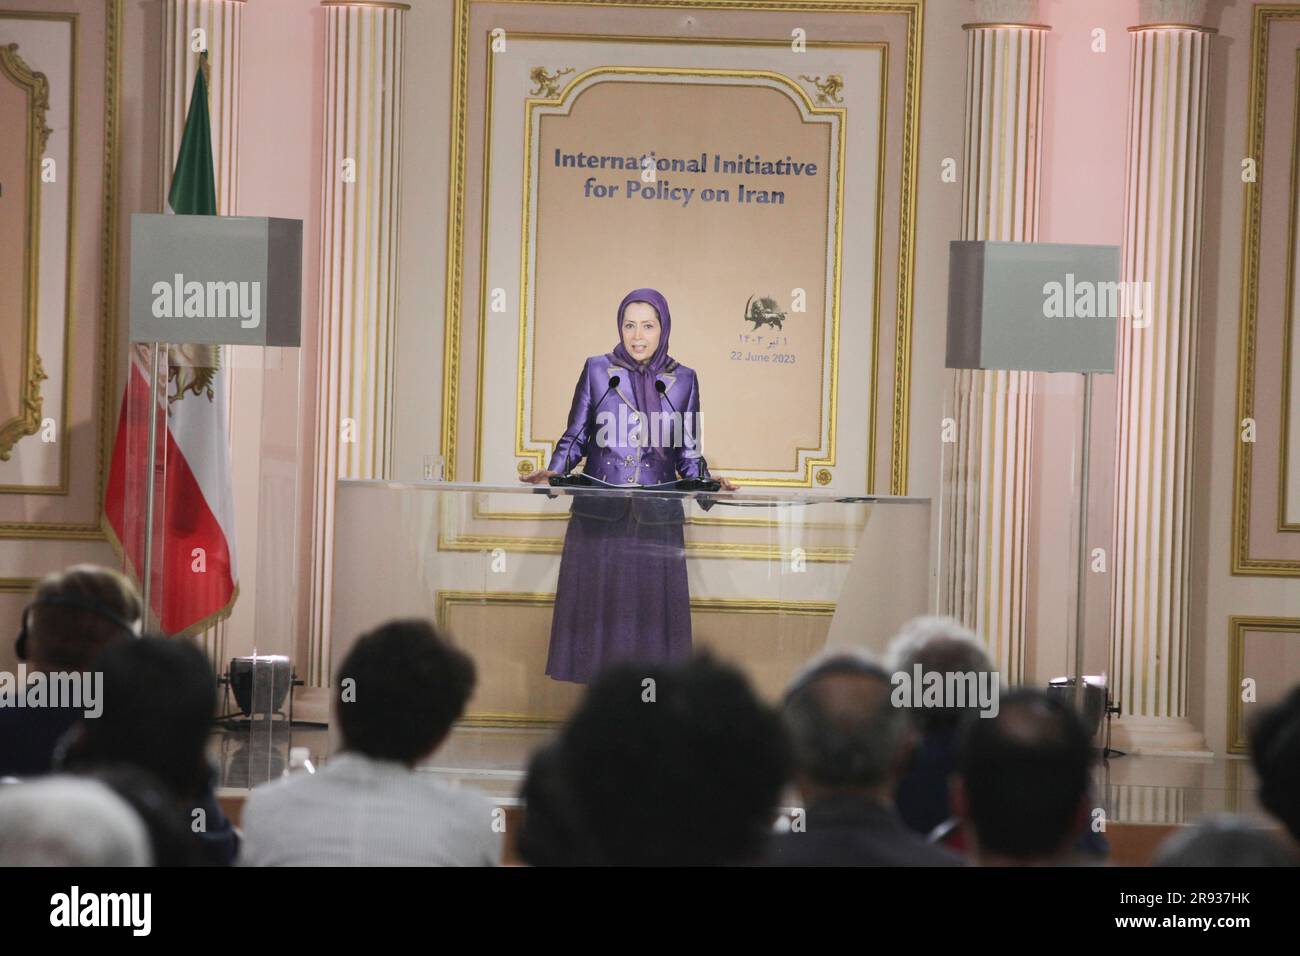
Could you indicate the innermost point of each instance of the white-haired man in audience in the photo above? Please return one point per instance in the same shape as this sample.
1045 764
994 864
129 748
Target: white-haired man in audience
69 821
938 645
850 745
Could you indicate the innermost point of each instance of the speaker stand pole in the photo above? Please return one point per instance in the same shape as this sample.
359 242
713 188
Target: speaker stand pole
1080 596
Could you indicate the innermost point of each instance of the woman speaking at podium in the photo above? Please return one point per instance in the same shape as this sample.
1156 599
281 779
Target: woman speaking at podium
622 593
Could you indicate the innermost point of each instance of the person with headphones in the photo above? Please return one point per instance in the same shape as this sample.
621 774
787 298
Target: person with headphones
73 617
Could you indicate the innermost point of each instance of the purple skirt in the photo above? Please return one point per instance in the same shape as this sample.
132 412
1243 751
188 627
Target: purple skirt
622 595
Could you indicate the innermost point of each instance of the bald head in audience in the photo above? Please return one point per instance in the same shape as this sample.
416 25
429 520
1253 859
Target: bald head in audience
1022 781
846 733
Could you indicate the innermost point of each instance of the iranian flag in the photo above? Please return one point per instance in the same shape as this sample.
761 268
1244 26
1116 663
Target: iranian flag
194 580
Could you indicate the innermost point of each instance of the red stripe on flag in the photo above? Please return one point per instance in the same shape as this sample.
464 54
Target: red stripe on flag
181 597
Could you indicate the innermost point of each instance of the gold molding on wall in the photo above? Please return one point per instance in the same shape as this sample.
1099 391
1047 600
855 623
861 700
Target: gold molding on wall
1193 27
1242 563
913 10
1237 628
534 460
37 367
372 4
1284 428
444 600
836 208
105 415
37 89
698 549
1007 26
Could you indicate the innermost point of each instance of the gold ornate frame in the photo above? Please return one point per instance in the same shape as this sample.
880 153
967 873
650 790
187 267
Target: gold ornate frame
37 88
444 600
1237 628
454 304
531 458
104 416
1242 562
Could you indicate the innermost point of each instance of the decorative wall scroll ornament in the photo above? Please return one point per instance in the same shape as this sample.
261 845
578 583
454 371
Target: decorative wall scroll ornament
823 476
547 84
525 467
764 311
13 66
191 368
37 87
28 422
828 90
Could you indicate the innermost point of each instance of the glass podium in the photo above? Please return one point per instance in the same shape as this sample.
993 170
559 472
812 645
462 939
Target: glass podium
775 578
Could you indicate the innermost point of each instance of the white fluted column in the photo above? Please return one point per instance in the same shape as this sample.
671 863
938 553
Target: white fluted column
1156 379
221 25
358 303
986 481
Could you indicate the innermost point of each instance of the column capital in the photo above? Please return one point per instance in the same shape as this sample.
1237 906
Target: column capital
1173 14
362 4
1006 15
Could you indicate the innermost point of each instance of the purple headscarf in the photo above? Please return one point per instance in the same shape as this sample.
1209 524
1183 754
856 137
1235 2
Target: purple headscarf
643 376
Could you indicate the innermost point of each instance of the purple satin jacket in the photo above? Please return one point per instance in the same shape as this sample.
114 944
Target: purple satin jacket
607 436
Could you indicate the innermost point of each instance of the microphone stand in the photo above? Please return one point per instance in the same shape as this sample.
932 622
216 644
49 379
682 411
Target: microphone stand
591 415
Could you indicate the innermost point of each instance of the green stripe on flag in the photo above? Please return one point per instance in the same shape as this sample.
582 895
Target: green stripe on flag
194 185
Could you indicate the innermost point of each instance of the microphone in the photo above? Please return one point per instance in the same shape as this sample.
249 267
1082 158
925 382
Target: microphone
591 415
705 478
613 384
662 389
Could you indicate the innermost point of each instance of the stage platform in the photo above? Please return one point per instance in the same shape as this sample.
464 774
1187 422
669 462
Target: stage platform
1147 790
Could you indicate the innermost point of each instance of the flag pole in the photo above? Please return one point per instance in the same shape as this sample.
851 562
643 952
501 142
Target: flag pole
147 584
193 193
1081 570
